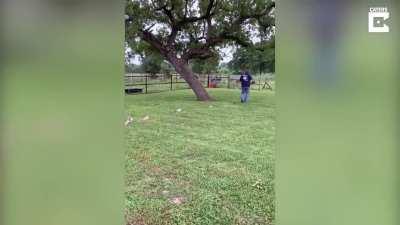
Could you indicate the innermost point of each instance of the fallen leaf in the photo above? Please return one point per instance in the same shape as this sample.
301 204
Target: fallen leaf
145 118
128 121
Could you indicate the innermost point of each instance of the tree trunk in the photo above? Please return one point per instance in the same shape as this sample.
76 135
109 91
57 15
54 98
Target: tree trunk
183 69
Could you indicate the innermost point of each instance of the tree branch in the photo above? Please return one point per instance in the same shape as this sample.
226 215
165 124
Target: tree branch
198 53
149 28
193 19
167 12
176 26
206 49
242 18
228 33
186 8
154 41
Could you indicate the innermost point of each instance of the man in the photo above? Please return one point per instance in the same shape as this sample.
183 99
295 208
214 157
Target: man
245 80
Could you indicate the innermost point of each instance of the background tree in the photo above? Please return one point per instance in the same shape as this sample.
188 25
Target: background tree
223 68
133 68
184 30
260 59
205 66
151 63
167 69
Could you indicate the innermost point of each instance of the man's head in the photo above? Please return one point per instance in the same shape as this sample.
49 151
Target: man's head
243 69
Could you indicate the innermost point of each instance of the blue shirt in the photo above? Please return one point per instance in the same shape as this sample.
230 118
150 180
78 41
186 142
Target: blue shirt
246 80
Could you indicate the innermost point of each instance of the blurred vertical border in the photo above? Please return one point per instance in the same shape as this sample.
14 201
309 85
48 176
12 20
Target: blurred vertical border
62 112
337 97
2 167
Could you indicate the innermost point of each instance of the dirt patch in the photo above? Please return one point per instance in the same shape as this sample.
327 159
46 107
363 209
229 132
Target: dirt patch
177 200
139 218
156 170
143 157
241 220
148 218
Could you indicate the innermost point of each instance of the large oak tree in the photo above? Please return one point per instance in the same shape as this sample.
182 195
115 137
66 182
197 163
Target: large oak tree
185 30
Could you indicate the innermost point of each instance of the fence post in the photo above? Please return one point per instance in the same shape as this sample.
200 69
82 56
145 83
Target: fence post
229 82
146 82
208 80
171 82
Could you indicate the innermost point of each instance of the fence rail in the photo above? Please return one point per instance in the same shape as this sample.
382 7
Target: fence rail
146 83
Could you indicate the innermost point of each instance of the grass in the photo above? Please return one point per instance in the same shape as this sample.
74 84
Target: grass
215 160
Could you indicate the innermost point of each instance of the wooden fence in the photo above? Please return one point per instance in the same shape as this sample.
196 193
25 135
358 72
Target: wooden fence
146 83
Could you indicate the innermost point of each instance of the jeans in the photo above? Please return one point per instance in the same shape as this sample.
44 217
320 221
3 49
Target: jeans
244 97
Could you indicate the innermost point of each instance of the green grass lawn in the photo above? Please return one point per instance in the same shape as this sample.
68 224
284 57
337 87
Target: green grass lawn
211 163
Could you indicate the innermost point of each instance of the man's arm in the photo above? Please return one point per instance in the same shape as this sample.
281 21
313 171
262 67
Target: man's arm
251 80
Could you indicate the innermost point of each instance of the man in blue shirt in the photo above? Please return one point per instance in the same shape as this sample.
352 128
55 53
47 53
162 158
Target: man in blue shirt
245 80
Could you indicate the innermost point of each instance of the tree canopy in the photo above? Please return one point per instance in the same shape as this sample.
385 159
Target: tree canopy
185 30
256 60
